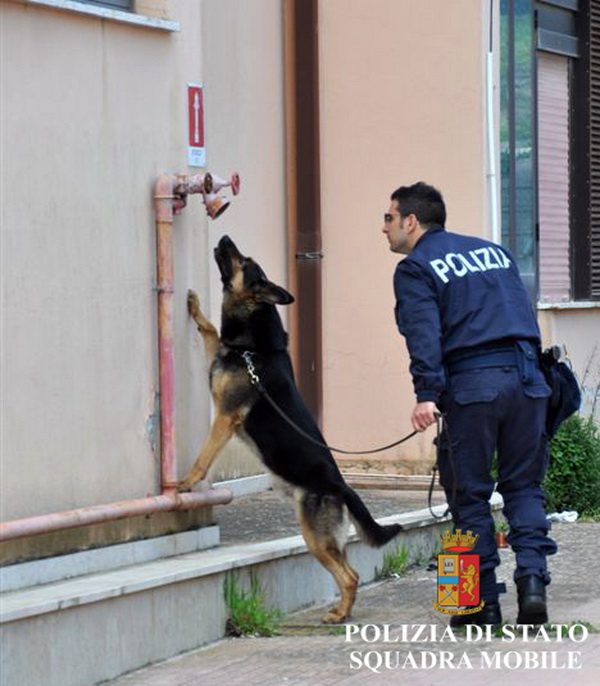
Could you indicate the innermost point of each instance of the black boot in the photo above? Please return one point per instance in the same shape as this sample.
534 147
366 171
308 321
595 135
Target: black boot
532 600
489 614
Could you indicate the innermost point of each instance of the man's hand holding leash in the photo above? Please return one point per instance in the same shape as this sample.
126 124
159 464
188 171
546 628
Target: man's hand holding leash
424 415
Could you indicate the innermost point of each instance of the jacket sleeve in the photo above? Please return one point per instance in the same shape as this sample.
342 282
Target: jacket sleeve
418 320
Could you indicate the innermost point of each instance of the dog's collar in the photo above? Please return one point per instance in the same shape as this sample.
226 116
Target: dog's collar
237 347
241 349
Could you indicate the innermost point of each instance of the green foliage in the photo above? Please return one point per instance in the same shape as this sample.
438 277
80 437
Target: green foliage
248 613
501 526
590 516
573 479
422 560
592 628
494 470
394 564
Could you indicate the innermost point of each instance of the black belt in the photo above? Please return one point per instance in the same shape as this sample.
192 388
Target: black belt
480 359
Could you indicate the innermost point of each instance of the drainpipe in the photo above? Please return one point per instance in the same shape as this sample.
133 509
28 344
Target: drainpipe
164 199
170 195
303 193
491 132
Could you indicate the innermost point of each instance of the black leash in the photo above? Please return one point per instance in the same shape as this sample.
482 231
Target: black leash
440 425
255 381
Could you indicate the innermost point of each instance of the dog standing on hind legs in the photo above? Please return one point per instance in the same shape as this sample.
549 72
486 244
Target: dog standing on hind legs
251 324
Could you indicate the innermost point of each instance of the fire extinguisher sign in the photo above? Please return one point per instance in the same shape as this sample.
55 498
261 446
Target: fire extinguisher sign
196 150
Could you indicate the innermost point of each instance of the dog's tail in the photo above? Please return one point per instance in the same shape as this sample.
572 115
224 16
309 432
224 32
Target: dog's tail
373 533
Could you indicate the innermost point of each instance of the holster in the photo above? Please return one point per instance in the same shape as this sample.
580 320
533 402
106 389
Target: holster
566 394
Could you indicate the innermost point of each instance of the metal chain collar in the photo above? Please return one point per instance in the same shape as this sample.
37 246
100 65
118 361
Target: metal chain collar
247 355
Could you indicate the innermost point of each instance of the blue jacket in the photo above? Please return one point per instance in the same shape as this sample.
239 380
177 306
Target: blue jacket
454 292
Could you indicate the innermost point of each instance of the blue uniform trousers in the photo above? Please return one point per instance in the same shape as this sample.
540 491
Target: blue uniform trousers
492 411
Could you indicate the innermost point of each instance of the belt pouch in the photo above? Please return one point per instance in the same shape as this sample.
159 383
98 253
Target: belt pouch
526 361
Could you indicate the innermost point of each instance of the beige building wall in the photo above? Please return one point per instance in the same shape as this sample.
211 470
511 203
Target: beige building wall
577 328
242 47
92 111
402 100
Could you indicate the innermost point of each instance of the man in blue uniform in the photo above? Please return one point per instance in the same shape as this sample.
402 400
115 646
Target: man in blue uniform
473 341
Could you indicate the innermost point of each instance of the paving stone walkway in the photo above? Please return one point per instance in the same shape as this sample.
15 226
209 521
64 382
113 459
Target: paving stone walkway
309 654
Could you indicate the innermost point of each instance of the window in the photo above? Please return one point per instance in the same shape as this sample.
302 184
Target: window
557 51
517 138
115 4
550 145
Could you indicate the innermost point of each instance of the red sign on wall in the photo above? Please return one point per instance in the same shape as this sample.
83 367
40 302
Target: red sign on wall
196 151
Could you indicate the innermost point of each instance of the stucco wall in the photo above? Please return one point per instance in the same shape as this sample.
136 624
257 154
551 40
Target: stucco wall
402 100
86 129
92 112
243 66
578 330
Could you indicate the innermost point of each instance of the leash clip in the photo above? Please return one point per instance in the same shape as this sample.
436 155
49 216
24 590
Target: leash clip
247 355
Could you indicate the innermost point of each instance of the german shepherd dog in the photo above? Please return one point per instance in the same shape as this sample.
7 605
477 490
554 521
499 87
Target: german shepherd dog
250 322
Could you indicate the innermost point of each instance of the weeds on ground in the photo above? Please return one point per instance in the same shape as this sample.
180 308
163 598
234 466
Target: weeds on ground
590 516
592 628
422 560
394 564
248 612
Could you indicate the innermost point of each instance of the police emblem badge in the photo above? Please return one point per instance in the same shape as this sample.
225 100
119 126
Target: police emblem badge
458 575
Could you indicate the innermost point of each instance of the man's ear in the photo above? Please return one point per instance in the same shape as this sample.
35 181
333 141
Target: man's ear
412 222
268 292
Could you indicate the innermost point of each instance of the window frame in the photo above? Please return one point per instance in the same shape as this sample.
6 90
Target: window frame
513 209
137 17
562 27
123 5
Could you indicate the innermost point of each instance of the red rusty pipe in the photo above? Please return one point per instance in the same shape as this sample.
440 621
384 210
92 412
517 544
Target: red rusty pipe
166 202
163 206
96 514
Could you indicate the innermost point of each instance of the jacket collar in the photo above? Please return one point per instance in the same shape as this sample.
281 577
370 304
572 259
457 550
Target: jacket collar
428 233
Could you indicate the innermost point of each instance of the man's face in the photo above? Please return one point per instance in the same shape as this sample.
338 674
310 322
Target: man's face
394 229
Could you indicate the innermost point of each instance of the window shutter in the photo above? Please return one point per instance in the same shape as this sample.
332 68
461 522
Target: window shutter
553 177
595 149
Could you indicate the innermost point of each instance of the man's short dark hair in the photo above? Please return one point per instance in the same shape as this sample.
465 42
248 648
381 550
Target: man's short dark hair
422 200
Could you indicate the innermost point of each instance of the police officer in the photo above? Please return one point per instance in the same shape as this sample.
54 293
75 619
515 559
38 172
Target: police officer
473 341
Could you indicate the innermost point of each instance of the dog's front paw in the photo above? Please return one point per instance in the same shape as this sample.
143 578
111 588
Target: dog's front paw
193 303
184 486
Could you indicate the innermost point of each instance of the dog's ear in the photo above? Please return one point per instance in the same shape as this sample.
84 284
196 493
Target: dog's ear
268 292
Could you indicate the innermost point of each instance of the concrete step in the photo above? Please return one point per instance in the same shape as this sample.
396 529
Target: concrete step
98 626
392 482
